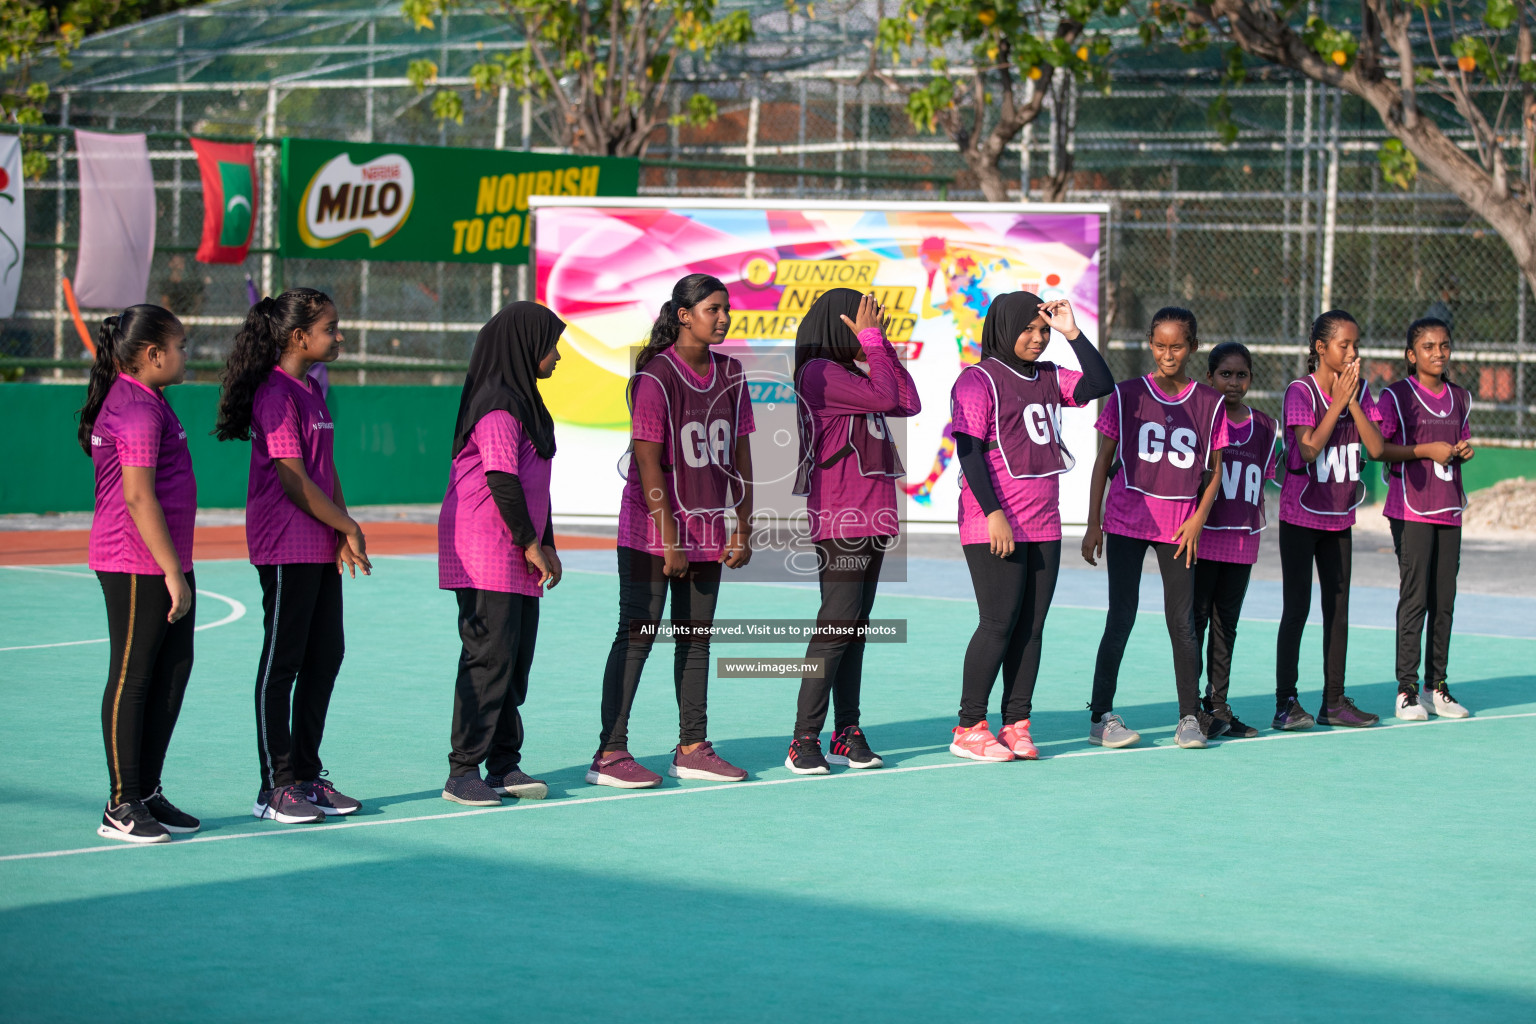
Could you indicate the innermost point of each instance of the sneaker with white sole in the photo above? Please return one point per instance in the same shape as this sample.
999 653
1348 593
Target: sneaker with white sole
621 771
470 790
805 757
326 799
131 822
1408 706
287 804
1017 739
978 744
170 817
1439 700
1111 731
518 783
1189 734
850 747
703 763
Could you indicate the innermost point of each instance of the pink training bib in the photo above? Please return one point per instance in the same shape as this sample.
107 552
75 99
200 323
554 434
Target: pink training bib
1239 503
702 427
1026 419
1425 487
1333 484
1165 443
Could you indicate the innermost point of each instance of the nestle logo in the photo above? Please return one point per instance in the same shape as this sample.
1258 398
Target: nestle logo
385 172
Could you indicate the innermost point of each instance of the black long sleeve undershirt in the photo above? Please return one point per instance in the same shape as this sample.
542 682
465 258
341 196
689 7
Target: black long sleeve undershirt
973 463
1096 381
507 492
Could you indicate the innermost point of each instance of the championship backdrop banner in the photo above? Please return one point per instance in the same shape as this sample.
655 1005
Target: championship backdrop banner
371 201
607 268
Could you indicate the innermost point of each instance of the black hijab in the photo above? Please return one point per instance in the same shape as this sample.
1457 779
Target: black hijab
503 374
1007 317
822 333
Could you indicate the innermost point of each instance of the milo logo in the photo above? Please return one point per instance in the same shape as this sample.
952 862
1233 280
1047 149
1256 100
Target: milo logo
344 199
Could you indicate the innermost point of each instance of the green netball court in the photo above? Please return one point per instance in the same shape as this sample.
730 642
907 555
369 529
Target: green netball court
1376 875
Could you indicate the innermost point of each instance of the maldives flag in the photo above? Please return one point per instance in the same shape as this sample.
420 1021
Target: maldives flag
229 199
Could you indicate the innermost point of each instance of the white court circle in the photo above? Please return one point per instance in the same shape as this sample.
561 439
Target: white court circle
237 609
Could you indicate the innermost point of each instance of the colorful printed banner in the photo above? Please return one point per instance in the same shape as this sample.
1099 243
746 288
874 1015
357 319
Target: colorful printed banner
606 269
117 220
372 201
229 199
13 223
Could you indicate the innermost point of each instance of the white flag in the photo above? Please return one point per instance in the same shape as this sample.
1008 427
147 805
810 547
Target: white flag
13 223
117 220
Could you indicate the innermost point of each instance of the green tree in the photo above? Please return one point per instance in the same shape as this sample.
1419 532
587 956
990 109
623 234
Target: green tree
1019 54
1431 71
606 64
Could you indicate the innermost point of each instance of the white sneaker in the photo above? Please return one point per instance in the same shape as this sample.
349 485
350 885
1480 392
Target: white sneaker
1409 708
1439 700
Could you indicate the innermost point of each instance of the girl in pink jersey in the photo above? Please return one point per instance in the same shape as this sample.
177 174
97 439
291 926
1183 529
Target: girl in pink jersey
141 551
1006 418
691 466
1167 432
1229 544
1329 415
496 547
847 472
1425 420
301 540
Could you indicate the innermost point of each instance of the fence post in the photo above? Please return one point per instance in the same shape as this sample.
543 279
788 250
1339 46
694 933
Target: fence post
268 189
1520 351
58 238
1303 232
1331 208
500 143
1285 234
754 107
837 183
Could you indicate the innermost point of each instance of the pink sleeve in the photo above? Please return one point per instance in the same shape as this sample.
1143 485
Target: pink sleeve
648 421
1221 433
838 391
1067 380
970 405
278 418
746 424
498 435
1109 420
137 435
1370 405
1387 418
1298 406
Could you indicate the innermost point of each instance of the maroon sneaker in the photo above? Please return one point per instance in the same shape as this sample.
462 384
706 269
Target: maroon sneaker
621 771
1346 714
704 763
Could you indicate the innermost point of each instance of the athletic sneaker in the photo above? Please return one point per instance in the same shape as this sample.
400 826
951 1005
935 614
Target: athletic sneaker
1016 738
1346 714
518 783
1408 706
170 817
323 795
849 747
1236 729
1111 731
804 757
287 804
621 771
1189 735
470 790
131 822
703 763
978 744
1291 716
1439 700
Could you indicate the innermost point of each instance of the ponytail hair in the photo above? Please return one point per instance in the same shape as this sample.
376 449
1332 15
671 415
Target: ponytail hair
120 341
1324 328
686 294
1225 349
1177 315
258 346
1417 328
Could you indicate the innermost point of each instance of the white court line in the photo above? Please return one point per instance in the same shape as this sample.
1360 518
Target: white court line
236 610
344 825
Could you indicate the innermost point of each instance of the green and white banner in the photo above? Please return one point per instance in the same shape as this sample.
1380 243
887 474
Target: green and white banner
374 201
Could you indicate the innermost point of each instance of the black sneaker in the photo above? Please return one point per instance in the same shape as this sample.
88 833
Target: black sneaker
805 756
470 790
170 817
131 822
1235 728
1290 716
849 747
519 783
287 804
1344 713
1210 725
326 799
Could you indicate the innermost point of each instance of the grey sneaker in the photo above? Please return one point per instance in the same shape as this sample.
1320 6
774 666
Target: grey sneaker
1189 735
287 804
470 790
516 782
1111 732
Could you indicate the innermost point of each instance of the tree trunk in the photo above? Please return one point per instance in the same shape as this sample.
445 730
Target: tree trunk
988 175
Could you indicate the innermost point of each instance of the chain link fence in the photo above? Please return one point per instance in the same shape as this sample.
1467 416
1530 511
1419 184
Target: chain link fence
1256 236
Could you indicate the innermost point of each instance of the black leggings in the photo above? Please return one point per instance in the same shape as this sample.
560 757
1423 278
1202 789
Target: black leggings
1013 595
301 652
850 572
498 632
147 673
1331 550
643 589
1123 557
1219 591
1428 559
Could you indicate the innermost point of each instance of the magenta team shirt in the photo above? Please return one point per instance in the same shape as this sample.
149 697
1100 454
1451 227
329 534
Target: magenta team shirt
1301 411
137 427
289 420
1132 513
474 545
1444 406
1243 450
843 502
702 536
1032 504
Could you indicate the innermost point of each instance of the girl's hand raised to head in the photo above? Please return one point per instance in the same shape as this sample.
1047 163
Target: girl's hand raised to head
1059 315
871 314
